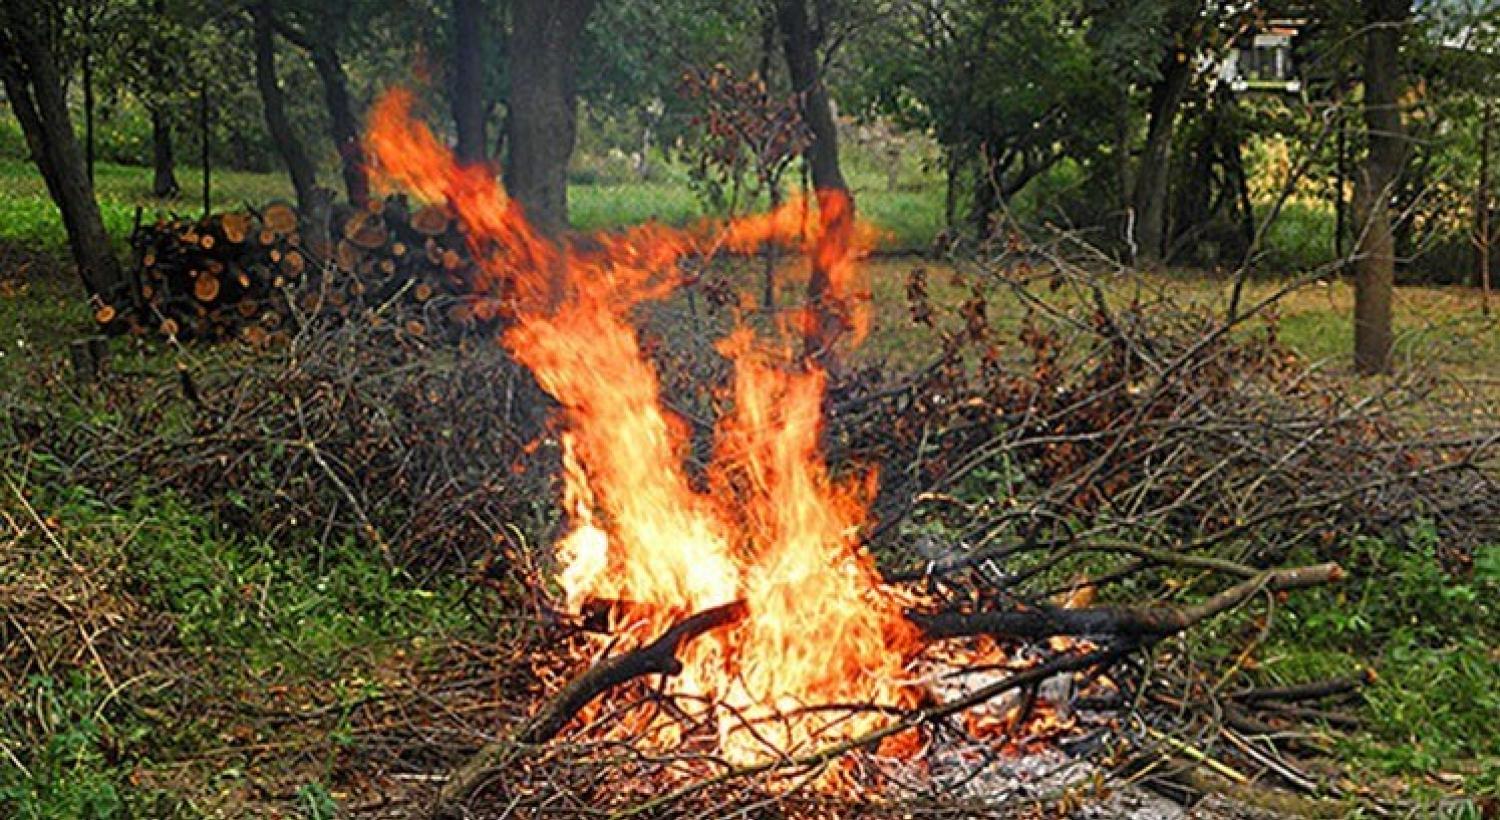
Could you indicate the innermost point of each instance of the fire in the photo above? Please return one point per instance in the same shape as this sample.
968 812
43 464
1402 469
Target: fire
774 529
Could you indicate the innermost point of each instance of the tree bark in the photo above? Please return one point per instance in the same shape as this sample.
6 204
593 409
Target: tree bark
163 163
342 122
1152 180
34 86
320 41
1482 208
542 123
1375 263
273 103
87 13
468 80
801 46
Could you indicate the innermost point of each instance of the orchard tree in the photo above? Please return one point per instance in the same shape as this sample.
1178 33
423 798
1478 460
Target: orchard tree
1008 90
34 86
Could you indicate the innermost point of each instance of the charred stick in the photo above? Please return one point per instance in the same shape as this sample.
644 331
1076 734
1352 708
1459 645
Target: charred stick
1317 690
656 658
1144 623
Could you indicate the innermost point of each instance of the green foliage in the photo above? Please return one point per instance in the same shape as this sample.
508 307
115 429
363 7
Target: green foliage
274 607
1006 89
1430 637
66 775
316 803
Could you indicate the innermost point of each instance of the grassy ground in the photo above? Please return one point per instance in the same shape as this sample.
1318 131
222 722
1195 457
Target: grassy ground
910 215
194 627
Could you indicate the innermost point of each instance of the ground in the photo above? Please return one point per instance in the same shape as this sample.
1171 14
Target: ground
156 662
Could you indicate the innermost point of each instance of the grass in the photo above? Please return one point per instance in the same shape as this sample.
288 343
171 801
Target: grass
910 216
247 615
1431 640
189 621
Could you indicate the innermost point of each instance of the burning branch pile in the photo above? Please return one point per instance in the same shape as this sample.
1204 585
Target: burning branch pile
819 656
1056 504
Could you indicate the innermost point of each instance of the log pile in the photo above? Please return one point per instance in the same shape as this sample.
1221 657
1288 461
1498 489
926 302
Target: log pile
256 275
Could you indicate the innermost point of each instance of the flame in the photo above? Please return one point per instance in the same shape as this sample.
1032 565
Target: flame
774 529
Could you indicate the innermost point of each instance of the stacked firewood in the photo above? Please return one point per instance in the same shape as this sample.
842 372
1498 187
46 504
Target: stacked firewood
256 275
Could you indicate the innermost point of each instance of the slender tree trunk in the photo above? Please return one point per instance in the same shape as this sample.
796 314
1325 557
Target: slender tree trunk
163 163
1375 266
34 87
1153 178
542 123
1340 181
468 79
817 111
207 146
1482 207
800 43
304 177
88 88
342 122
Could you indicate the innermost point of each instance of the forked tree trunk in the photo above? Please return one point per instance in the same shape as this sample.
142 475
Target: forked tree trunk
320 40
542 124
34 88
273 103
1375 263
468 80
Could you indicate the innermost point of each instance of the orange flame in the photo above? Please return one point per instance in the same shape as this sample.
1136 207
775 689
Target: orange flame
776 532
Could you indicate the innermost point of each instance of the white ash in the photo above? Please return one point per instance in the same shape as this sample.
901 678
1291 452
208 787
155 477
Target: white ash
1029 774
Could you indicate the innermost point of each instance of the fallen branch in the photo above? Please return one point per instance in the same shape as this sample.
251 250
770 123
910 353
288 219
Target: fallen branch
1317 690
1147 624
656 658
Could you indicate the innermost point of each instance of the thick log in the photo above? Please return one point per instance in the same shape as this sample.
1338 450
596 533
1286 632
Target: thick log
1145 623
656 658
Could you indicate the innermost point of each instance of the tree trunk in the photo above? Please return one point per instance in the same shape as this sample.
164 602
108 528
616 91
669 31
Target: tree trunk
1151 182
468 80
164 176
542 124
342 122
88 88
304 178
1375 264
802 65
34 87
163 163
800 44
1482 208
1341 180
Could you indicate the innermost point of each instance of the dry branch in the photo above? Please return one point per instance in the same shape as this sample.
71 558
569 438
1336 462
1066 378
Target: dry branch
1144 623
656 658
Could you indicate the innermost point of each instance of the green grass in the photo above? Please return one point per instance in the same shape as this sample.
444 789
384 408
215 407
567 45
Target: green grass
1432 641
28 217
222 620
910 216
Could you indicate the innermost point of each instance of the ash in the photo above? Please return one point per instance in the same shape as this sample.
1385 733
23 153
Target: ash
1047 769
